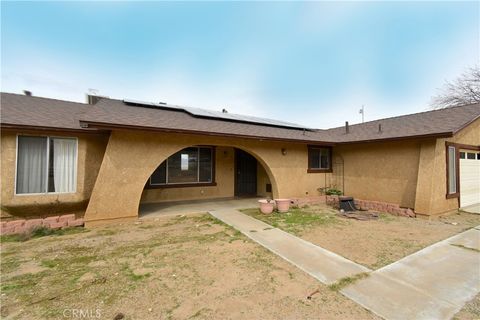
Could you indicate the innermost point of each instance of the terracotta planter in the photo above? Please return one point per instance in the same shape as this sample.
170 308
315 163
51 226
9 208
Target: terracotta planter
282 205
266 206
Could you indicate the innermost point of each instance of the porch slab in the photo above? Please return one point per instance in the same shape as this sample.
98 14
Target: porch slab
325 266
152 210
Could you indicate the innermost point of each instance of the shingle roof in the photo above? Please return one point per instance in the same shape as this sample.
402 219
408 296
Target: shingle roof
116 112
20 110
435 122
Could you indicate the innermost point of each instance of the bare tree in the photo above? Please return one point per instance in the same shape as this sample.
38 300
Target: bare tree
464 90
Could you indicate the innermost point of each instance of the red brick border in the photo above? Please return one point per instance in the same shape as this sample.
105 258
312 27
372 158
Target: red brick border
391 208
57 222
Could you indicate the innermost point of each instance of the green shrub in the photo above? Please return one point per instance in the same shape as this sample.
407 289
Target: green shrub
330 191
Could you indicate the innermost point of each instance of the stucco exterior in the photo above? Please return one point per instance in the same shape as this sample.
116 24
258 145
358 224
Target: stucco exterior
224 179
431 188
113 168
224 188
91 148
147 150
381 171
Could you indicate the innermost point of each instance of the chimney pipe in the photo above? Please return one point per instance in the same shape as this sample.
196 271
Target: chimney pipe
93 99
27 93
347 129
380 128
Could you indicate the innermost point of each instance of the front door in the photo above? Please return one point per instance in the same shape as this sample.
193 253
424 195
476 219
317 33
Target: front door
245 174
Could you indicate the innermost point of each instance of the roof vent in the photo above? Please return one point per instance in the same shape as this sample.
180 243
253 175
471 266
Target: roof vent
347 129
27 93
224 111
379 128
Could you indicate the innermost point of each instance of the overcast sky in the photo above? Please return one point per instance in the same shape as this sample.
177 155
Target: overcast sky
312 63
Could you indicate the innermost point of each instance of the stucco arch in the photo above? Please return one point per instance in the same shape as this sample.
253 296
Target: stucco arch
130 159
230 145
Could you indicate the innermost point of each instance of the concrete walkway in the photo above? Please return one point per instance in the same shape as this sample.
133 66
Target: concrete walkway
433 283
322 264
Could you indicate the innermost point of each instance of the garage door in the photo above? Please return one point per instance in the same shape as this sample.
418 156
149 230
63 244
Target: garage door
469 178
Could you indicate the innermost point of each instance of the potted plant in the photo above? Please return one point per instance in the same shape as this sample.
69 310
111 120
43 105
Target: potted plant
282 205
266 206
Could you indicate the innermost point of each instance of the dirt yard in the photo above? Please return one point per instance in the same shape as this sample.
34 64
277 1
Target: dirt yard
373 243
172 268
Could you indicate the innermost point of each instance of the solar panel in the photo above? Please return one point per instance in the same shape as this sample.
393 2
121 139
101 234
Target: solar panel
203 113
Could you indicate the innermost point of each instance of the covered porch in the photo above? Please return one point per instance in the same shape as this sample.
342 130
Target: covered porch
155 210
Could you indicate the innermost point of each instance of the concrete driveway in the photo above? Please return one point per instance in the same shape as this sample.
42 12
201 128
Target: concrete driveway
433 283
475 208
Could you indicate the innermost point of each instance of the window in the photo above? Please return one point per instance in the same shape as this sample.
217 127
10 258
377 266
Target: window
46 164
192 165
471 155
462 155
319 159
451 170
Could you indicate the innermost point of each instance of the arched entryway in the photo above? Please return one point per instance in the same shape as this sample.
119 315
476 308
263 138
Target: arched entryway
131 158
202 175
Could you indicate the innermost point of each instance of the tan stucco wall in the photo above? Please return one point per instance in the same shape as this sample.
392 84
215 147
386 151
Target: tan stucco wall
91 148
262 181
380 171
431 189
224 164
132 156
224 178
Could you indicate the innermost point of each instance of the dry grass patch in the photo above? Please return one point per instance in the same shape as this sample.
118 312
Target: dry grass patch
174 268
372 243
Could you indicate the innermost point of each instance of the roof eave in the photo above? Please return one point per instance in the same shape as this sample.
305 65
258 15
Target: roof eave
466 124
413 137
10 126
109 126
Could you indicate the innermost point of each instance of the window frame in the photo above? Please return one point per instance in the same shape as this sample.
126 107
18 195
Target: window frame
448 146
458 147
310 148
75 166
213 182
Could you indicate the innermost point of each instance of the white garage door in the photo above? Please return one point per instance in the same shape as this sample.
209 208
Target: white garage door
469 178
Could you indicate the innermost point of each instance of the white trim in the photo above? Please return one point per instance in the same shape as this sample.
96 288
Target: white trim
48 164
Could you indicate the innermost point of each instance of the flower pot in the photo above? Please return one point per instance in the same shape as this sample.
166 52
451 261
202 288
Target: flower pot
266 206
282 205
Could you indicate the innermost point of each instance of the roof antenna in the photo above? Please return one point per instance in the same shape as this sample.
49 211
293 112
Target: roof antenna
224 110
362 112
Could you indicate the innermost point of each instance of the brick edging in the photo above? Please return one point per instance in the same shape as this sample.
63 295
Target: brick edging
56 222
387 207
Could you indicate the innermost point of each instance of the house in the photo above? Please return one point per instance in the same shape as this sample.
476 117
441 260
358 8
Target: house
108 156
